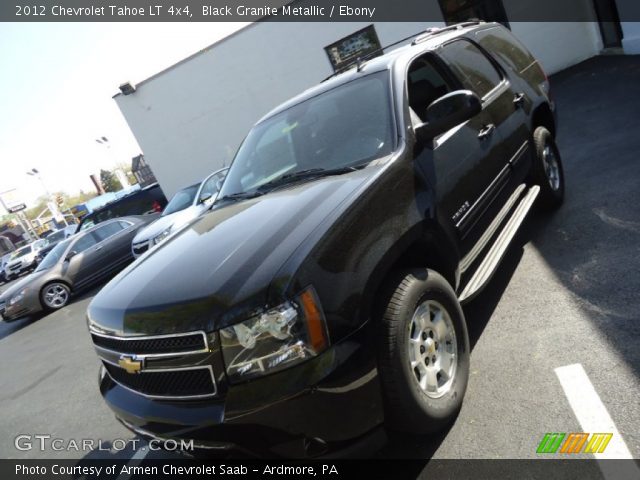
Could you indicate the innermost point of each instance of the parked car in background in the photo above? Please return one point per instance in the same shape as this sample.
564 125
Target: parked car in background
187 204
148 200
3 263
23 260
78 262
54 238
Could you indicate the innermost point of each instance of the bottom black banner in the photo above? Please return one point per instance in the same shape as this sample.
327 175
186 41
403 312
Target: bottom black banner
340 469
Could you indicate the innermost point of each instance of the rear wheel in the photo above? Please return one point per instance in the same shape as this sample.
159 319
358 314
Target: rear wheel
54 295
423 352
547 169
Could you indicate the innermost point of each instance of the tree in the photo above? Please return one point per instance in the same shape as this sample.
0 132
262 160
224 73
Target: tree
109 181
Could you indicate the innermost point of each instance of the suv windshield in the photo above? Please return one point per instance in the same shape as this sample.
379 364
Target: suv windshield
346 126
181 200
53 256
22 252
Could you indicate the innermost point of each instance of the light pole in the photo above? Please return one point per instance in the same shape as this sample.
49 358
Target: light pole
122 178
34 172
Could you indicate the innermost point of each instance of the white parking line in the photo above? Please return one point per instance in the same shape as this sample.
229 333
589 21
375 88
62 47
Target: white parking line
594 418
589 409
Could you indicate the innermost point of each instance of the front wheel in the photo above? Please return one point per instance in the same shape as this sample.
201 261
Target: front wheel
54 296
423 352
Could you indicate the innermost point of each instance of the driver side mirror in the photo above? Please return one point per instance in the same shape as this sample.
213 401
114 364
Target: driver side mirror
448 111
70 255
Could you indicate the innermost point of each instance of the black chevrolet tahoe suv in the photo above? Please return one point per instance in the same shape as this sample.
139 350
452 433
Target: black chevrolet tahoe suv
320 298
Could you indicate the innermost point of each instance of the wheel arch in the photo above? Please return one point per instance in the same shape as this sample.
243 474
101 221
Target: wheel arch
429 248
542 116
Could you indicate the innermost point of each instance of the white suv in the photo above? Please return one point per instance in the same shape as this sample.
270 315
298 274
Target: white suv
23 260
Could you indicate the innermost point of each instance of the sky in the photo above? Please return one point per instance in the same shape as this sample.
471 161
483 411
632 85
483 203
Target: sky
56 90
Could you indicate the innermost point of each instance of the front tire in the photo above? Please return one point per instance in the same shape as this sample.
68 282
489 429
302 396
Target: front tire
547 170
423 353
54 296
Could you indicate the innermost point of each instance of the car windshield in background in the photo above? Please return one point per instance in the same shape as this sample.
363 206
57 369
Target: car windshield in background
346 126
53 256
181 200
55 237
22 252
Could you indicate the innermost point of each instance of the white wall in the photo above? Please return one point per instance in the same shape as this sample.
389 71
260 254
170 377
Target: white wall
190 119
559 45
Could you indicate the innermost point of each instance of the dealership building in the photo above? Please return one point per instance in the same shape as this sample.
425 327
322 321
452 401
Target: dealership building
190 118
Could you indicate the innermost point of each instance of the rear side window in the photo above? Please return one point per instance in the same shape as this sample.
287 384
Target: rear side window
471 66
501 43
84 243
107 231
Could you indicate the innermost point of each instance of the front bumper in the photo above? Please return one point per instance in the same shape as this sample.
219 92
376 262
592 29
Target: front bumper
15 271
16 311
305 411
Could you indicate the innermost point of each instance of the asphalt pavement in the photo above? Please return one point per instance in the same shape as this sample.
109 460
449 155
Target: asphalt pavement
566 295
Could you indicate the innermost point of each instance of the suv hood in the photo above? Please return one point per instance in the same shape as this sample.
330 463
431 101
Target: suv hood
217 270
177 220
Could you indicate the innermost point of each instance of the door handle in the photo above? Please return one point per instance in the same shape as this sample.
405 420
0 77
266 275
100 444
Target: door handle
518 99
486 131
99 247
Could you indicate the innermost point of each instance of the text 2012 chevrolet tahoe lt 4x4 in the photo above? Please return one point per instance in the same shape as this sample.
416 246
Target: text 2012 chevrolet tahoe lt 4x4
320 297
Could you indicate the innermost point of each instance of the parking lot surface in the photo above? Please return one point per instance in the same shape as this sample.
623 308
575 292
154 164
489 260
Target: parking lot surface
566 295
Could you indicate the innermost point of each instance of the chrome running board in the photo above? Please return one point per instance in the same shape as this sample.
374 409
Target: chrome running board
491 261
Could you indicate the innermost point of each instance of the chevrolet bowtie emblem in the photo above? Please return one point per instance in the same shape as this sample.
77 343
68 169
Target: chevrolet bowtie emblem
130 364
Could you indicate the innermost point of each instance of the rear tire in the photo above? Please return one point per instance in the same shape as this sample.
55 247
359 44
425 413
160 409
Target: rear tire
547 170
423 352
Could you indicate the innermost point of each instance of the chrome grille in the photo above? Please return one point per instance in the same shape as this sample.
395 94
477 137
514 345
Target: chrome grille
174 366
193 342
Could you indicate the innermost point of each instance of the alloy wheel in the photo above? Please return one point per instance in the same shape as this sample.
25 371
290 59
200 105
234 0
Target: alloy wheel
433 349
551 167
55 295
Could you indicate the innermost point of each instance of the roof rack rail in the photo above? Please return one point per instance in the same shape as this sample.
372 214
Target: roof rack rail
438 30
417 38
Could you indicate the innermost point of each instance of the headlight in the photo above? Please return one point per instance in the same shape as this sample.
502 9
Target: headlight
16 298
276 339
162 236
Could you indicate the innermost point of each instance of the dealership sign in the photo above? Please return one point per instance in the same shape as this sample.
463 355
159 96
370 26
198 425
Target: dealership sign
11 201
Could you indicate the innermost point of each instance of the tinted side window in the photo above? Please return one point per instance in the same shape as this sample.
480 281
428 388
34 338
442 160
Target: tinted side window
501 43
84 243
107 231
471 66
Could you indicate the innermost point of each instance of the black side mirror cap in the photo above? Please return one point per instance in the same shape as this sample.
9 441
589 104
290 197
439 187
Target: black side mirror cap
447 112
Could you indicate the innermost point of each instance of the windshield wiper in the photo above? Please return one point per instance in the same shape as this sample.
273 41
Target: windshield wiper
304 175
239 196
